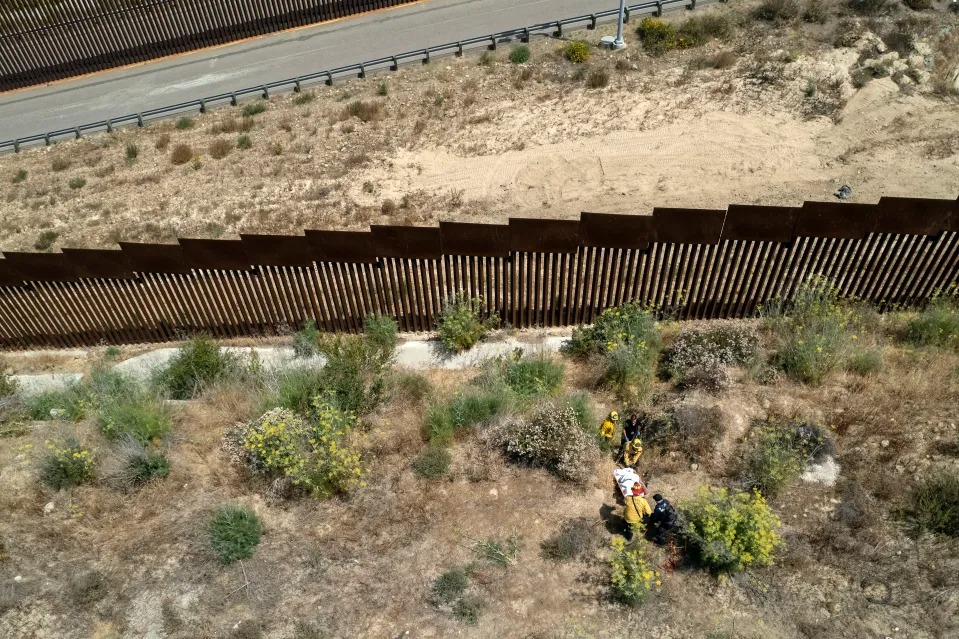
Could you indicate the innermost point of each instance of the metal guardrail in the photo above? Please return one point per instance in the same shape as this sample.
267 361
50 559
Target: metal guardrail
393 62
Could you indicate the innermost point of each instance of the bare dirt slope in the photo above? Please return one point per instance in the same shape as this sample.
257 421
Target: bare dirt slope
774 114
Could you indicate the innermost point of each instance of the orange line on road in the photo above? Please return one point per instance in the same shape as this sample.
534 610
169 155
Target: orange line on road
210 48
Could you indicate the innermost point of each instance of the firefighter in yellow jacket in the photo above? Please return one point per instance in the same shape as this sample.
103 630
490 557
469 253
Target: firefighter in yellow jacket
636 510
609 426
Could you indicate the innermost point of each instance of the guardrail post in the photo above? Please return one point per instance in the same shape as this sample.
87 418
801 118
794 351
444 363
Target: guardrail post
426 60
139 120
46 139
625 14
76 131
692 5
202 105
559 30
659 9
296 86
266 93
109 125
396 64
459 49
592 21
362 73
492 44
16 146
525 37
329 78
233 101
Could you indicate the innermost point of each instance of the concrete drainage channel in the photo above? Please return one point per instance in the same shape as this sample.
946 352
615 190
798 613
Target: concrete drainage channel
411 353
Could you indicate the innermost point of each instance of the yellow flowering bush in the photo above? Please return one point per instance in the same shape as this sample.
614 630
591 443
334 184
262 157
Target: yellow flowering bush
66 464
632 577
938 324
315 455
627 339
577 51
732 530
818 333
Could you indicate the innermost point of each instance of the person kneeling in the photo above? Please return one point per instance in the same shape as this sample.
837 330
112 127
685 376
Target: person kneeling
636 510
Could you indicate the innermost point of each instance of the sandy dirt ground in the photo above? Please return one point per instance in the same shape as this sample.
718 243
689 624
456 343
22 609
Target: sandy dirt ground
788 118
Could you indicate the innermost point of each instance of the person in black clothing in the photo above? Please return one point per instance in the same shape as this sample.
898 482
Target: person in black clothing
630 432
662 520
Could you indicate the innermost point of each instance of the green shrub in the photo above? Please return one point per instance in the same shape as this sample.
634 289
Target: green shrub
575 540
145 467
19 176
244 142
450 586
698 30
199 363
582 407
691 428
8 385
45 240
552 438
632 576
933 504
184 123
380 332
527 376
411 387
627 339
776 453
519 54
305 341
254 108
815 11
137 416
657 36
73 401
234 533
355 370
364 111
304 98
778 10
870 7
66 464
316 455
468 610
818 334
77 183
577 51
464 410
865 362
597 79
296 388
433 463
383 89
731 531
462 324
501 553
938 324
132 151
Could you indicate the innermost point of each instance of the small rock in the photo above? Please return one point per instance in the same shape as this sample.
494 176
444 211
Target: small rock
494 492
900 469
884 443
18 578
57 413
694 467
917 61
49 508
766 404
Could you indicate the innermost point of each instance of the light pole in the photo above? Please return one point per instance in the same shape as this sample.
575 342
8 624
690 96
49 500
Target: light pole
618 43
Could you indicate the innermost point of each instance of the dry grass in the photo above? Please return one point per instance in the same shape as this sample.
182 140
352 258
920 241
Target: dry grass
220 148
181 154
131 557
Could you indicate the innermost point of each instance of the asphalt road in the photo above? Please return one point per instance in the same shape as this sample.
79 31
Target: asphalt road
275 57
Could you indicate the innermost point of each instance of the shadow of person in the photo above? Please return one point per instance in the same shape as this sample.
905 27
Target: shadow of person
613 522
